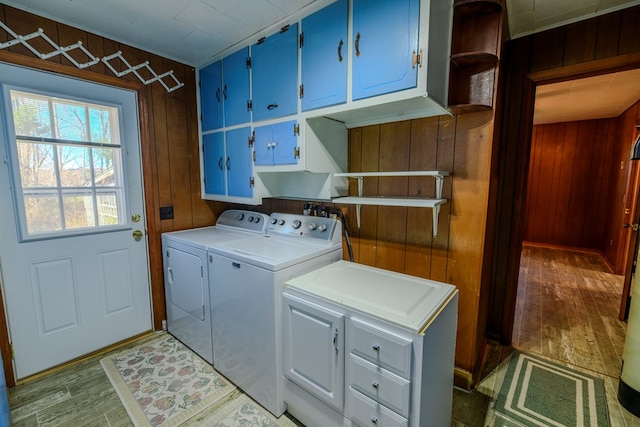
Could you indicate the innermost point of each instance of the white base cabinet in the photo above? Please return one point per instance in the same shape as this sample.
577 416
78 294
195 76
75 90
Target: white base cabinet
389 375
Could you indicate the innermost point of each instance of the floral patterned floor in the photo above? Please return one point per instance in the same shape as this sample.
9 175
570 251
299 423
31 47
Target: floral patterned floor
163 383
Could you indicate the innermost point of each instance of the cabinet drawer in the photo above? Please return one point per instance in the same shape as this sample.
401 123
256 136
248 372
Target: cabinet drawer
382 348
380 384
366 412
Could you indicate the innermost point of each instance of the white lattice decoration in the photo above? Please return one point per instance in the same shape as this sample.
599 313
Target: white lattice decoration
134 69
63 50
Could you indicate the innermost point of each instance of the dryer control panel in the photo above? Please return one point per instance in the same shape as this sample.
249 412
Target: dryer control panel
322 229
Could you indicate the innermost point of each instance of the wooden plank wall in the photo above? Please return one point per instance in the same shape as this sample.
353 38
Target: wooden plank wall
400 239
606 43
571 174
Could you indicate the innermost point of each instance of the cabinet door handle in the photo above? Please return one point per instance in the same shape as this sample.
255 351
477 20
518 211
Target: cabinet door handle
375 385
220 163
376 347
340 51
218 94
228 159
357 44
224 92
335 340
272 107
374 420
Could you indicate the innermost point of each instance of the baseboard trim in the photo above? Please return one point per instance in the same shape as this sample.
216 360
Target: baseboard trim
462 379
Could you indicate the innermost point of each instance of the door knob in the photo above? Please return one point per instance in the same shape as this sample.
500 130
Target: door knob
137 234
135 217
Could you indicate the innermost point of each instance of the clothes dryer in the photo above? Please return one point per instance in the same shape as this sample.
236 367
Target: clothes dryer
186 277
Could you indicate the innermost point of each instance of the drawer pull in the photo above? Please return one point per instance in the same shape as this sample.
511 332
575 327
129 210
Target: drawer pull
335 340
375 385
376 347
374 420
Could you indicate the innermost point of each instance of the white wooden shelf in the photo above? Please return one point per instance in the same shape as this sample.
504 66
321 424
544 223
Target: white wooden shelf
417 202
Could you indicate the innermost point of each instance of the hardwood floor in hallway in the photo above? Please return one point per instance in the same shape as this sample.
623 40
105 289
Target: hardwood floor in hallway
567 309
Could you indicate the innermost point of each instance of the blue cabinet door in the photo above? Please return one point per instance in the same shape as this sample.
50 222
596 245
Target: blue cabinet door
213 163
239 164
235 91
385 37
274 63
276 144
324 56
262 145
286 143
211 96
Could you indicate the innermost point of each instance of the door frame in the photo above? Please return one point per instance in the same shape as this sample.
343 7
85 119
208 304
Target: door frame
530 81
151 199
633 240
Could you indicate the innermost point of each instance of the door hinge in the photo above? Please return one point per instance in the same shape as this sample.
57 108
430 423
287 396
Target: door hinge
301 40
252 182
248 62
296 153
261 40
296 130
252 139
416 58
204 313
301 91
201 272
249 105
284 29
13 354
254 156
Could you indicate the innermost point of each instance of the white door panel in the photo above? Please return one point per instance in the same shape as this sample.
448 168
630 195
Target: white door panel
70 294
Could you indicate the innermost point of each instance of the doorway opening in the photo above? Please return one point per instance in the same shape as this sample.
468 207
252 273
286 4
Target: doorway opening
575 253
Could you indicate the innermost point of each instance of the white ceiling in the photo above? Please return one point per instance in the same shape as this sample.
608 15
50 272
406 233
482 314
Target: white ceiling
599 97
194 31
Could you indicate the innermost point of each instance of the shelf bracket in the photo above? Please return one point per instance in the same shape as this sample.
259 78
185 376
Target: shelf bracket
439 181
358 207
436 214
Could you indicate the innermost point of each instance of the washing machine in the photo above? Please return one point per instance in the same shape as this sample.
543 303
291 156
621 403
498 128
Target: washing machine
186 277
246 279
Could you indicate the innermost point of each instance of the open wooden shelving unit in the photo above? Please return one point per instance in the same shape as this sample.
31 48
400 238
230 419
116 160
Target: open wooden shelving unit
475 53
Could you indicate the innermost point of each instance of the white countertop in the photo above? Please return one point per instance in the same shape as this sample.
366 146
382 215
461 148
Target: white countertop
405 300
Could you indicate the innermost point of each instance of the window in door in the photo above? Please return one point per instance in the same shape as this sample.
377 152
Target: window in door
67 165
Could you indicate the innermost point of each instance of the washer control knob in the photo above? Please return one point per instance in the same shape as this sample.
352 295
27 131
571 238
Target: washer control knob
322 227
256 219
273 220
296 224
281 222
240 216
313 226
250 219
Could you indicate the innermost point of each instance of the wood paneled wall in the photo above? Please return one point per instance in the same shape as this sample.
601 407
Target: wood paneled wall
400 239
571 177
603 44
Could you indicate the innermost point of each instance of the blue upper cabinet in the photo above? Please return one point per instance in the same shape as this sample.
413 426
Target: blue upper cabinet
385 38
276 144
239 163
324 56
211 96
236 90
274 62
214 163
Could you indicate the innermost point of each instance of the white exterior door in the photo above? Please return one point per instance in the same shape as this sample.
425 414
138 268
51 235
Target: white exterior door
75 279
